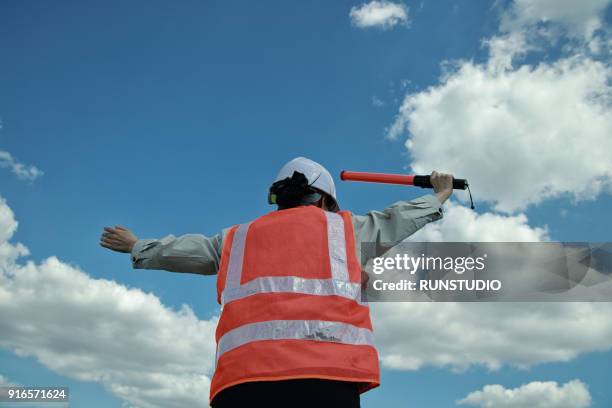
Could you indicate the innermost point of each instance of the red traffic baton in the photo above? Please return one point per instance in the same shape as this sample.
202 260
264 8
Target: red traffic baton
405 179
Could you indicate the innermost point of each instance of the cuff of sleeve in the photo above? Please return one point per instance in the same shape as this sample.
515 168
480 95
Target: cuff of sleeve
138 247
432 201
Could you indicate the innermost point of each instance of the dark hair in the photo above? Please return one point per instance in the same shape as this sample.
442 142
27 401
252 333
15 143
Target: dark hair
293 191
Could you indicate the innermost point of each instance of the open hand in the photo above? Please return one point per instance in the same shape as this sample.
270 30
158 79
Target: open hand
119 239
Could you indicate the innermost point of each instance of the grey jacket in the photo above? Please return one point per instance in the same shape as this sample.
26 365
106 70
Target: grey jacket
196 253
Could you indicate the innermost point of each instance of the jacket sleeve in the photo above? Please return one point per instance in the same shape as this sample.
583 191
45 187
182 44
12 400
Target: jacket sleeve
191 253
397 222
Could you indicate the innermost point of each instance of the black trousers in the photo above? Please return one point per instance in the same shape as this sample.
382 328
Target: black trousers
310 392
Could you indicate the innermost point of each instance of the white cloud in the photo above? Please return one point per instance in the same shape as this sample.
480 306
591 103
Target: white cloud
22 171
520 136
99 330
503 50
8 225
460 335
537 394
382 14
462 224
4 382
413 335
578 18
541 23
377 102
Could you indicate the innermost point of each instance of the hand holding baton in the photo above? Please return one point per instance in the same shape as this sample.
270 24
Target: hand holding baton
405 179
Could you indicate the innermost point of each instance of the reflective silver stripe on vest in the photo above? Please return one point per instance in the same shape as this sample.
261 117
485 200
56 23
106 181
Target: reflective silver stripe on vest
337 246
234 269
293 284
339 285
318 330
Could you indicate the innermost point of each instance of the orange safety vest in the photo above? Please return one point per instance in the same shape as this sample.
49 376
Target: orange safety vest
289 285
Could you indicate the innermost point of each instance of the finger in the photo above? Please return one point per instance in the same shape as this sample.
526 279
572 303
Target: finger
111 241
109 229
112 247
120 227
110 238
102 244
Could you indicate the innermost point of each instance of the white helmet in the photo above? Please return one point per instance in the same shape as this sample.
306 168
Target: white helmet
318 177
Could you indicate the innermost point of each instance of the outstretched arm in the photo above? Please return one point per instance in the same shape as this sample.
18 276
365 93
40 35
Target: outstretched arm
191 253
403 218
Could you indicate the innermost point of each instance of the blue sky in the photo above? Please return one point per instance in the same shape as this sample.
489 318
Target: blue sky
174 118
